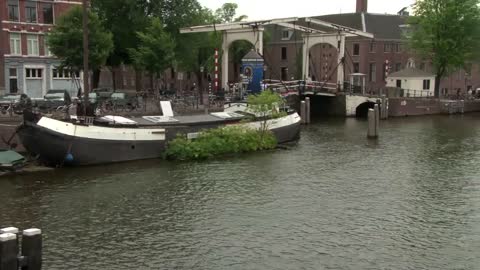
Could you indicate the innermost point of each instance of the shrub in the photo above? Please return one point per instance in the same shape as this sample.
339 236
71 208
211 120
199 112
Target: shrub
219 142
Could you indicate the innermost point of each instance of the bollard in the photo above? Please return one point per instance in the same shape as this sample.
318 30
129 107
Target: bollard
32 249
387 104
14 231
383 114
371 124
307 110
303 108
377 119
8 251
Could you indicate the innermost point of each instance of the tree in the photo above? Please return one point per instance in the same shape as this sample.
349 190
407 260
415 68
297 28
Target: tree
155 51
447 32
124 18
265 106
65 41
227 12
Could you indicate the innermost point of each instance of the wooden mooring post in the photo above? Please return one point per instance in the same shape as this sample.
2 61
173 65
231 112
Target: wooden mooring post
31 255
303 111
384 108
307 110
373 122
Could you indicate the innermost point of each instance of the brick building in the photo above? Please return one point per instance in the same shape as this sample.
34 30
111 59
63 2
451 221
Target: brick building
388 50
26 65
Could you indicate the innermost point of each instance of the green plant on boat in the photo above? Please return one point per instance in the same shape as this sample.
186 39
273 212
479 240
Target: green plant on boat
219 142
265 106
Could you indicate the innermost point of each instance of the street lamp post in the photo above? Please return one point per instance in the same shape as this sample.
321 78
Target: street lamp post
265 67
205 95
86 69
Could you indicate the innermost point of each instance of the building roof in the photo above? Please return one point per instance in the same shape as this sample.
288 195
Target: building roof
411 73
382 26
252 56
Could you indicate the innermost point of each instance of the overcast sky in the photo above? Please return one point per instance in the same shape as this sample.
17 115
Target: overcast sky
269 9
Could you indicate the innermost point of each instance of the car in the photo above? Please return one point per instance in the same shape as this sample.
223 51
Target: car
54 99
122 101
103 93
10 101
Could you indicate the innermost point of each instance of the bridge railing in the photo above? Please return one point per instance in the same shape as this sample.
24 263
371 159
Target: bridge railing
299 86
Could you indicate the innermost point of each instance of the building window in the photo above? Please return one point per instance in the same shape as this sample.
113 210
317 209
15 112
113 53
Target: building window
64 74
286 35
356 49
13 12
46 48
13 80
398 48
284 73
399 83
398 66
15 44
284 53
373 72
32 45
426 84
31 12
356 67
373 47
33 73
387 47
47 10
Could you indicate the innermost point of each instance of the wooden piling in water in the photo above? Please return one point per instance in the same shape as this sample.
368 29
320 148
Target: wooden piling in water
376 108
384 108
307 110
8 251
32 249
371 124
303 113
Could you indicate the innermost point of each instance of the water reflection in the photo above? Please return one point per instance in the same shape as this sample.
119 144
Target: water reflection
336 200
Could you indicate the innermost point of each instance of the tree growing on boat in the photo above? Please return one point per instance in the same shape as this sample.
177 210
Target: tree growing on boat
265 106
447 33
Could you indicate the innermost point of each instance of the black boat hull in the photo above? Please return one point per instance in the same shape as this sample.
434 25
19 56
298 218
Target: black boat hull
57 149
52 148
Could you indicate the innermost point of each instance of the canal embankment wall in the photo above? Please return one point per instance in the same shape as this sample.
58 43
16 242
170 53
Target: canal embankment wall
400 107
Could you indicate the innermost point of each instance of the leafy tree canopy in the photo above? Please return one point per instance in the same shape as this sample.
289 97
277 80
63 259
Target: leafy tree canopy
66 40
447 32
155 51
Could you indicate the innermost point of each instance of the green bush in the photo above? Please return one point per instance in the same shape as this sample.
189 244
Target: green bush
219 142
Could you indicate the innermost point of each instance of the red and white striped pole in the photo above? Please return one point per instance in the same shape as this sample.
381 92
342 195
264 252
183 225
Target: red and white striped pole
216 71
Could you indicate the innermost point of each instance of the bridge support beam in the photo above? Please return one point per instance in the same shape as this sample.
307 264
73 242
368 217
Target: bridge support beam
254 36
336 40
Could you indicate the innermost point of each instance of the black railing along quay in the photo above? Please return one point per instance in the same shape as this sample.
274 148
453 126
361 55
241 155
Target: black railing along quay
20 250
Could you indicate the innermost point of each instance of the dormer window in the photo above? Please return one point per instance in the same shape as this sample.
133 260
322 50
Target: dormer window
287 34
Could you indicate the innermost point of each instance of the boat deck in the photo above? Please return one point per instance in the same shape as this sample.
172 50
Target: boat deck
190 120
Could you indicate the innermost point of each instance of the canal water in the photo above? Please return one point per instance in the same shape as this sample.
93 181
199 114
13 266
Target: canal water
333 201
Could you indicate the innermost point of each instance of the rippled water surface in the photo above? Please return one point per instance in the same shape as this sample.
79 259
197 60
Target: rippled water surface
334 201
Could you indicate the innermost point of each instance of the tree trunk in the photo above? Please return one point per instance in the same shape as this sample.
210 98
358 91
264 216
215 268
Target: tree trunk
138 80
200 86
151 82
96 78
438 79
114 79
